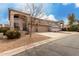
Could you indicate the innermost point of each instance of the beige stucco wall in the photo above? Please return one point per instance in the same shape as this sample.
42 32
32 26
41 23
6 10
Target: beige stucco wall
12 20
42 24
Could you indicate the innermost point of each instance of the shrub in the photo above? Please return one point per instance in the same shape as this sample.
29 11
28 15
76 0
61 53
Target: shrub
74 28
71 28
13 34
18 34
1 30
4 30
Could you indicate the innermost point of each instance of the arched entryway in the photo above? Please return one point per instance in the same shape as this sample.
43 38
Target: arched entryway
20 22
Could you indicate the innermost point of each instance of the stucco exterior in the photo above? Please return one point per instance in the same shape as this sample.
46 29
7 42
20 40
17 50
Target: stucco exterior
23 20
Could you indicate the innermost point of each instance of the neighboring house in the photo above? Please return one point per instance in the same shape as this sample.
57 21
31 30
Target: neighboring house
0 25
4 25
56 26
22 22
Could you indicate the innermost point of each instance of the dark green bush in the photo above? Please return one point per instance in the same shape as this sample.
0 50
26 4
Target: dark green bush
4 30
74 28
1 31
13 34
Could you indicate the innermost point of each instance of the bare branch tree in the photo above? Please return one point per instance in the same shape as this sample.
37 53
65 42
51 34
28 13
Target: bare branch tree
35 10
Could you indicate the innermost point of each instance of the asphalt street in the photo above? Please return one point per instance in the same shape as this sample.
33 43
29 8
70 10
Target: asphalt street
67 46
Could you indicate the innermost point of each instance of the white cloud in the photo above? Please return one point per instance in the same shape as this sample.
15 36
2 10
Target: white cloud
44 17
65 21
20 6
49 17
77 4
65 3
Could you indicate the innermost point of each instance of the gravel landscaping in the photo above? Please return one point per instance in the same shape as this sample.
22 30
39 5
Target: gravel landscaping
6 44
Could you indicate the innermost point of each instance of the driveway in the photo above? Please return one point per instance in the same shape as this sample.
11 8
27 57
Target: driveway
62 44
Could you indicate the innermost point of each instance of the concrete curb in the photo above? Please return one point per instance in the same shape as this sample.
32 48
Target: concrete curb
23 48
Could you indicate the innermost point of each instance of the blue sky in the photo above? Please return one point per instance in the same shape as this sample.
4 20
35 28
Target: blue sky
59 11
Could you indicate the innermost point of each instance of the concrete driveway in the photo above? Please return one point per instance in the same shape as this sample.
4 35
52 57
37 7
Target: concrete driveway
57 35
62 44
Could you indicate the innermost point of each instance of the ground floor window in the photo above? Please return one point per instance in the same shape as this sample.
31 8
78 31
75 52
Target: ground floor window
24 27
16 26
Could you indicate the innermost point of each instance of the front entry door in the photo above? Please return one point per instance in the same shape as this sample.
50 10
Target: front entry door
24 27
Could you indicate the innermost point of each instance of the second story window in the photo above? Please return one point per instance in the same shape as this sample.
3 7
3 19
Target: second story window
16 16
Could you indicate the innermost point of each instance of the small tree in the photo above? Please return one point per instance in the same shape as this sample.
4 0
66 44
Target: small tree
71 19
78 24
35 10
